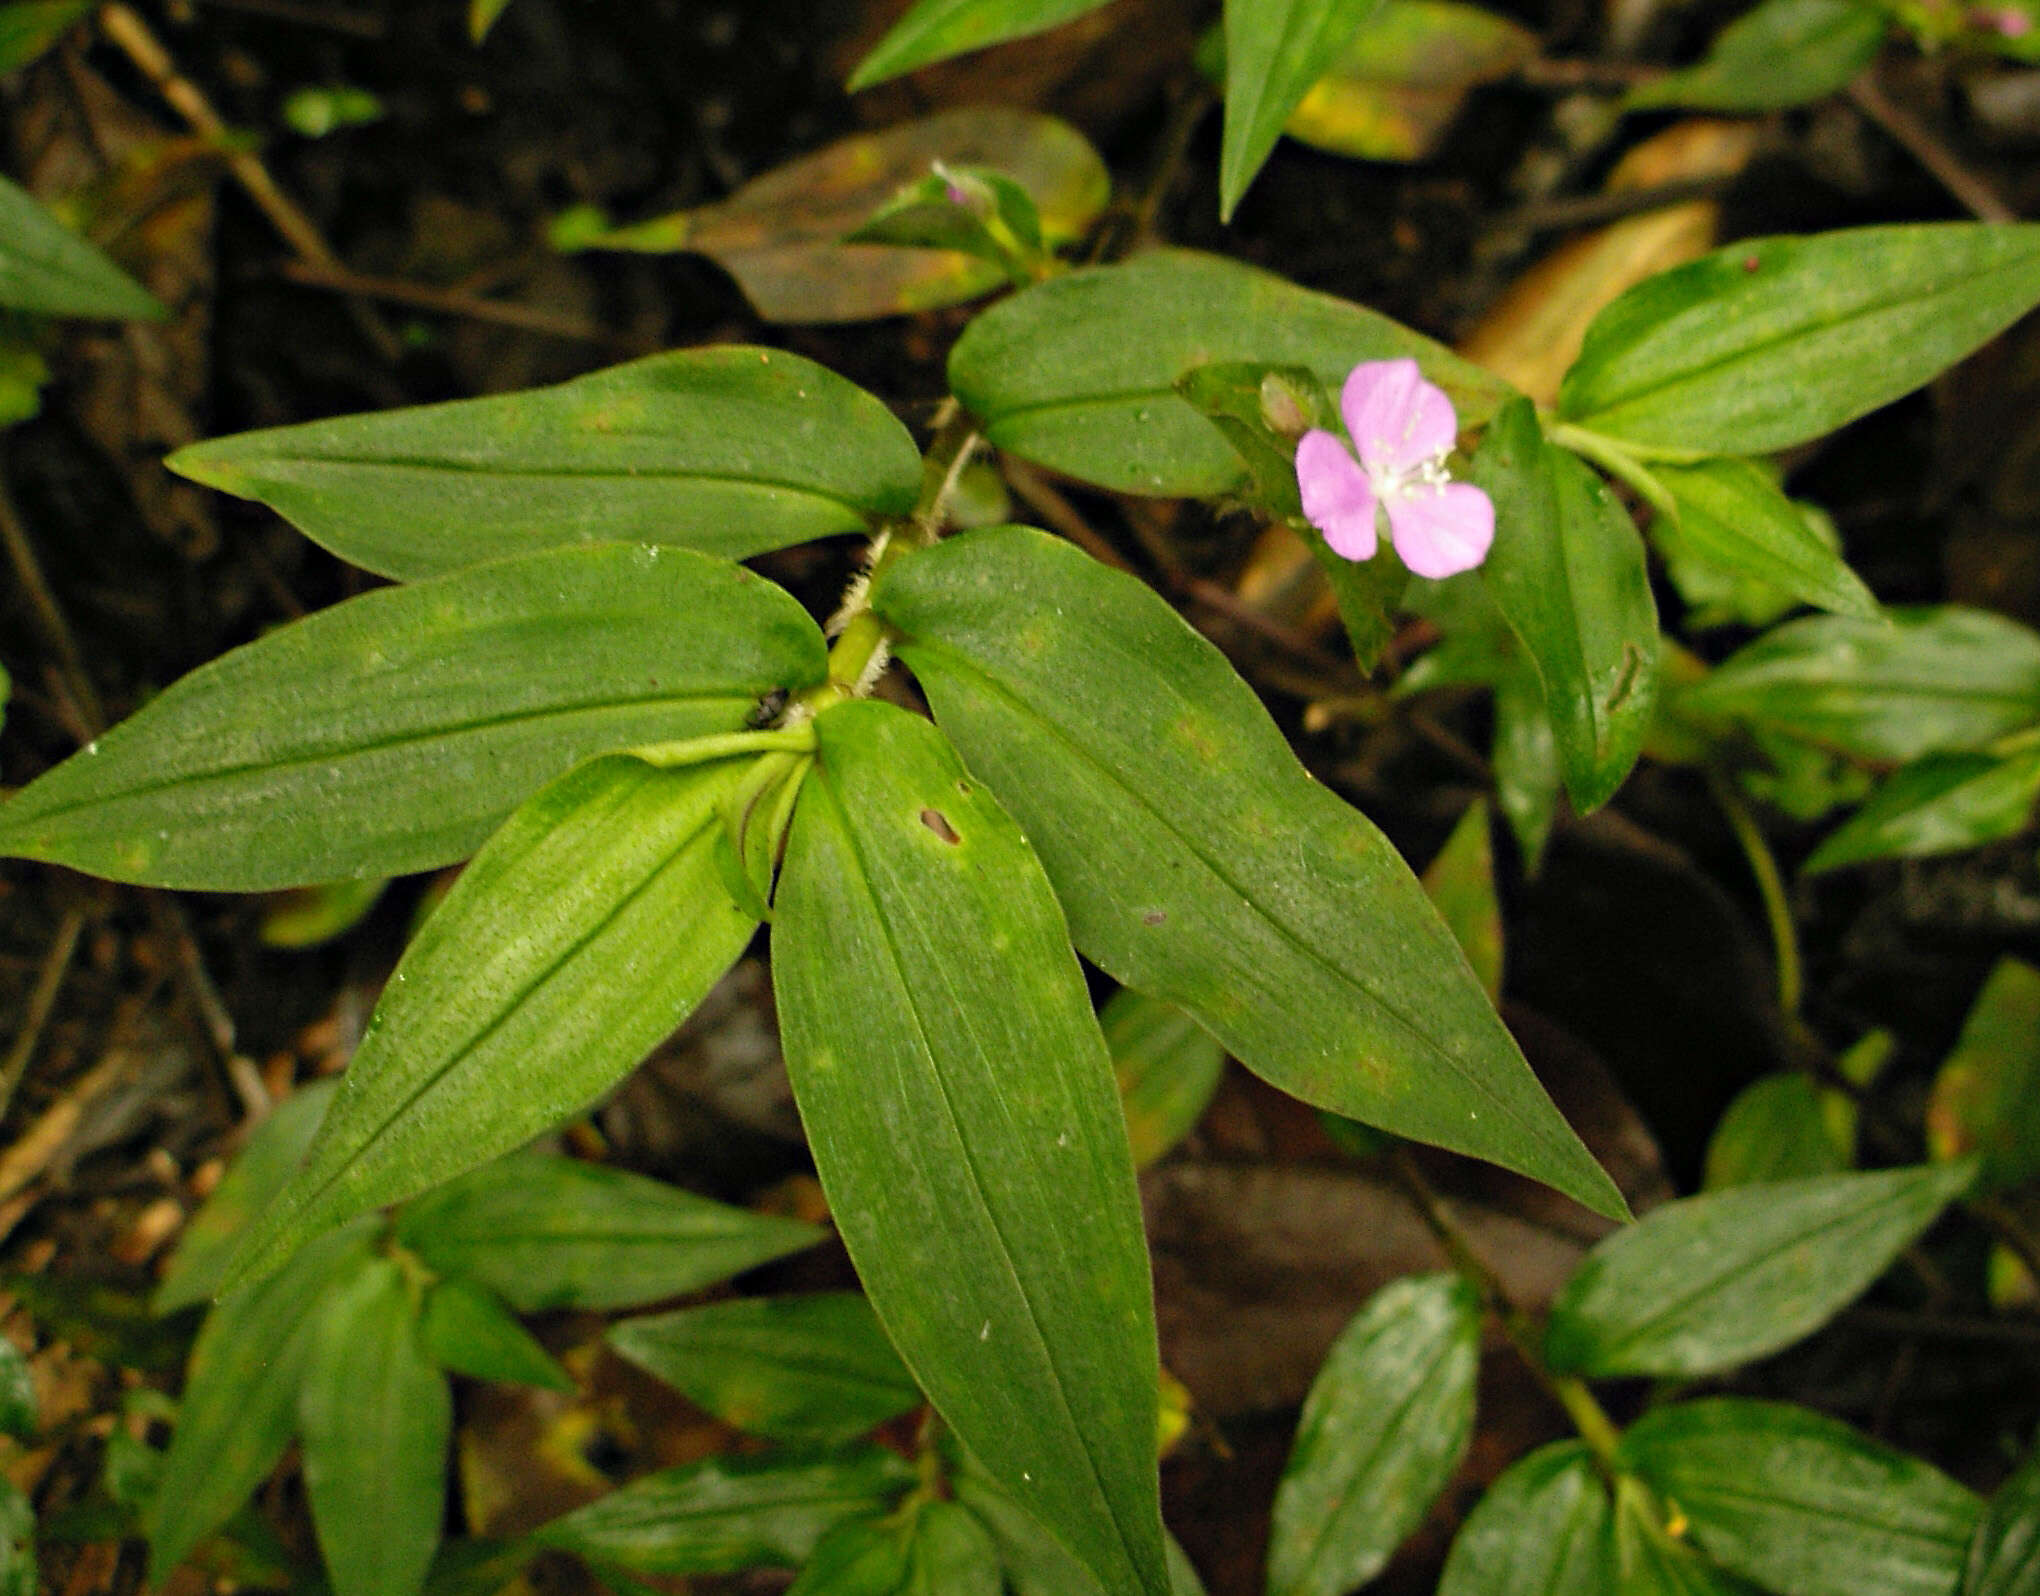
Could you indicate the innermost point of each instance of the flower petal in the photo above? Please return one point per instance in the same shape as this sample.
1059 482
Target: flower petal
1337 496
1397 420
1441 530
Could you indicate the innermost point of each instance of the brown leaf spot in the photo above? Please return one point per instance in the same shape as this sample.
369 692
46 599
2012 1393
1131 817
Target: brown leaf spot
1154 917
937 822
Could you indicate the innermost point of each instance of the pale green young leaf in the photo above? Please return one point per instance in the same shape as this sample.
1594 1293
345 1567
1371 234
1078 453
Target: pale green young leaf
1709 1282
48 269
1168 1067
1543 1527
377 1416
393 732
935 30
1198 861
1461 882
1777 341
1275 50
2004 1553
1782 53
1384 1428
482 15
919 958
729 1513
1732 514
585 931
467 1330
1986 1098
1943 803
729 450
798 1368
1782 1127
544 1232
1079 373
1801 1503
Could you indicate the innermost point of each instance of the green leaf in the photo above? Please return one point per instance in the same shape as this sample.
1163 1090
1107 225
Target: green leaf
952 1555
1200 863
1079 373
1543 1527
1731 514
1777 341
1801 1503
17 1541
1650 1562
1934 679
1384 1428
807 1368
1710 1282
377 1417
938 29
1168 1067
467 1330
545 1232
259 1172
1782 1127
1274 51
48 269
919 957
393 732
29 27
478 1567
241 1394
1461 882
482 15
1940 804
729 450
1568 571
23 371
1782 53
1986 1098
305 917
859 1557
1036 1562
729 1513
2004 1553
1525 754
585 932
20 1412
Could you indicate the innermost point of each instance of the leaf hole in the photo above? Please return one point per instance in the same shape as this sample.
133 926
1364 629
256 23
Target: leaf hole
1154 917
937 822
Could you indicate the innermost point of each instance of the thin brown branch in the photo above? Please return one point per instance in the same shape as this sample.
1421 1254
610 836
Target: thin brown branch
41 1000
355 24
1926 146
449 302
49 615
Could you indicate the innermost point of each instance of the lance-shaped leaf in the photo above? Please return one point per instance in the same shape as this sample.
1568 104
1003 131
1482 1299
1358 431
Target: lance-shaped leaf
394 731
1785 52
2004 1553
724 1514
467 1330
960 1104
585 931
1776 341
1934 679
801 1368
377 1416
729 450
1080 372
1274 51
1986 1098
1200 863
48 269
1568 571
546 1232
1543 1527
1732 514
1940 804
1709 1282
1384 1428
1802 1503
240 1396
935 30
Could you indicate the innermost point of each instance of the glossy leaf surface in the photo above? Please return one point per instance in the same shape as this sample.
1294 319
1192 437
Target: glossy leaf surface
1168 1066
467 1330
935 30
393 732
1079 373
1543 1527
1274 51
1384 1428
1776 341
1709 1282
49 270
1197 860
725 1514
545 1232
1986 1098
1802 1503
584 932
1782 53
1931 680
1731 513
377 1416
1943 803
729 450
959 1102
1568 571
799 1368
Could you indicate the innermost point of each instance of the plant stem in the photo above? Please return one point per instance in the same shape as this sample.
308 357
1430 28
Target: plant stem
1770 887
1589 1418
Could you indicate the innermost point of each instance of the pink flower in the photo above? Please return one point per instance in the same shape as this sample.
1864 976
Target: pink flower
1404 427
